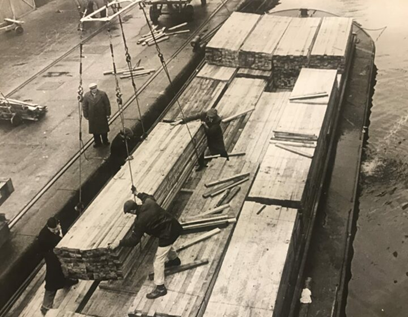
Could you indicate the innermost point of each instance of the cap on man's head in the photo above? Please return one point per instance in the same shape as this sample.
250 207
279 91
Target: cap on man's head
93 85
126 132
212 113
52 223
129 205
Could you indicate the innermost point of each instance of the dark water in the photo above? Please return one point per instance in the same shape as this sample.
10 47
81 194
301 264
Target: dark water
379 283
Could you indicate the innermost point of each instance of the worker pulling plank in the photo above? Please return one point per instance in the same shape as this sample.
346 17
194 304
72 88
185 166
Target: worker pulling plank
215 138
152 219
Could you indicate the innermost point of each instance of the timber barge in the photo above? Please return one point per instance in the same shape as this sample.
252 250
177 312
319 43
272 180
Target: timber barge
255 265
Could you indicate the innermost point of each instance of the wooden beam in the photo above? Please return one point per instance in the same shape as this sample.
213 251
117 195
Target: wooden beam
189 222
186 190
229 186
237 115
211 211
229 154
260 209
232 194
177 32
224 180
294 151
181 268
110 72
208 193
177 26
200 238
310 96
223 197
209 224
294 143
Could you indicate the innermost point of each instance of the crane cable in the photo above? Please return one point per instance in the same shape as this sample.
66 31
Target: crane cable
129 63
163 62
120 102
80 207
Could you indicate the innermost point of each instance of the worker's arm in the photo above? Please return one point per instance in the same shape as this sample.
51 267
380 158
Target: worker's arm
135 237
200 116
143 197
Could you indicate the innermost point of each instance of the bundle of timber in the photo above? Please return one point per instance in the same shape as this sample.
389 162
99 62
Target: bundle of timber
258 48
160 166
223 49
299 145
292 51
332 44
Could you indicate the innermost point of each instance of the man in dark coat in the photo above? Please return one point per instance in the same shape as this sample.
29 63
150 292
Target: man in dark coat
97 110
155 221
48 239
120 146
215 139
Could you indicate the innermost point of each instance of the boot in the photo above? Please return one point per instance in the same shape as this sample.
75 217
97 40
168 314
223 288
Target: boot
171 263
159 291
200 167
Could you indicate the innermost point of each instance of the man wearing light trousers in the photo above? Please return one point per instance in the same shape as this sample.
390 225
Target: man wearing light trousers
152 219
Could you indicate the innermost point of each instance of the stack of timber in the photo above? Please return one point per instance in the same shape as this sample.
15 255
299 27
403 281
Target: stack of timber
257 50
161 165
253 267
332 44
299 143
293 50
223 48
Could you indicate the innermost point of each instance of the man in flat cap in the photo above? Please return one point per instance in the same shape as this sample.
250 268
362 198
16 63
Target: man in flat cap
97 110
215 138
48 239
152 219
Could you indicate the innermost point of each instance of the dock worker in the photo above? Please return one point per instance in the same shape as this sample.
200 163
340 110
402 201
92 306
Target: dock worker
120 146
48 239
152 219
215 138
97 110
